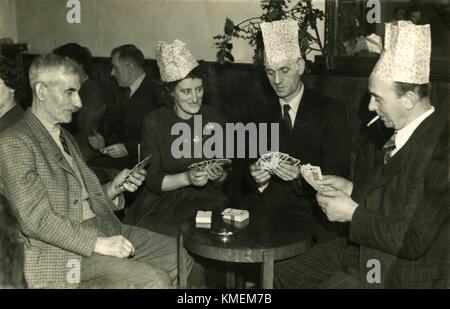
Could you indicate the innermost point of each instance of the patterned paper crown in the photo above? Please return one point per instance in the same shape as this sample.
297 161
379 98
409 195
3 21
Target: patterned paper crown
174 60
280 41
406 55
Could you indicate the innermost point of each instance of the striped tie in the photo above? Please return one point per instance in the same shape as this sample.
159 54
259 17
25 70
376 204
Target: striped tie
64 143
389 147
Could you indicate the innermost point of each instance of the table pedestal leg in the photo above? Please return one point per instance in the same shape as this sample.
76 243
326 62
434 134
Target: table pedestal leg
240 282
267 270
230 277
182 264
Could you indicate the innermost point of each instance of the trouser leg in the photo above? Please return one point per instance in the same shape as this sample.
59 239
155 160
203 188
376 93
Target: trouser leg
323 263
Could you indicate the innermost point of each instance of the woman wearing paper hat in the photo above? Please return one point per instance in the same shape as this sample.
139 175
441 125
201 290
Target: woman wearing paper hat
174 192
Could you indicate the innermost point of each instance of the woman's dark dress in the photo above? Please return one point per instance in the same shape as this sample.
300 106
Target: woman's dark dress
163 212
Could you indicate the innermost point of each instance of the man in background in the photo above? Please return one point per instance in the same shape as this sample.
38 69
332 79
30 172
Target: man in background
123 121
11 83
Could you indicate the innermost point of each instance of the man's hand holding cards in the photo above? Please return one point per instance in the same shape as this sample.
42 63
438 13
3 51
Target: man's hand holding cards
138 168
280 164
313 175
271 160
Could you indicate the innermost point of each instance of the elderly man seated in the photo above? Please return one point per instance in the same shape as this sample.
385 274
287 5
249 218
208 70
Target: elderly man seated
71 234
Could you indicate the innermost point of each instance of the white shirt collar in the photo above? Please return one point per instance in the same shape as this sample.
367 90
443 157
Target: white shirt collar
135 85
294 104
53 129
405 133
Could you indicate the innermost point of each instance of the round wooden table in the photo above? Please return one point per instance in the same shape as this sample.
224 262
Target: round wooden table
264 238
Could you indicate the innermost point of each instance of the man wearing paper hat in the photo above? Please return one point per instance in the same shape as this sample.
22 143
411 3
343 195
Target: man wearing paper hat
311 128
398 235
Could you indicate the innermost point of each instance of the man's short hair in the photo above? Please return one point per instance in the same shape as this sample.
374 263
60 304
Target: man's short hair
422 91
398 9
80 54
131 53
43 68
412 9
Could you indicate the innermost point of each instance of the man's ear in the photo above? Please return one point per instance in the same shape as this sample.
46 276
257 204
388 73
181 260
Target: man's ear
410 99
301 66
41 91
130 66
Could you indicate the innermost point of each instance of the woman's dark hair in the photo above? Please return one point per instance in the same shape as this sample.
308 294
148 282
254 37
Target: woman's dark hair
168 87
12 76
79 54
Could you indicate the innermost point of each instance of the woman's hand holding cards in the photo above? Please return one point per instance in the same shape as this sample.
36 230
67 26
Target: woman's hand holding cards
197 178
215 173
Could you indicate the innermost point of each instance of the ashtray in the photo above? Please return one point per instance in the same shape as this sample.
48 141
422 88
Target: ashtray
223 234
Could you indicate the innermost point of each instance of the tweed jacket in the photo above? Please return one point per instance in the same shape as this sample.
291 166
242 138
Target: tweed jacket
45 196
402 218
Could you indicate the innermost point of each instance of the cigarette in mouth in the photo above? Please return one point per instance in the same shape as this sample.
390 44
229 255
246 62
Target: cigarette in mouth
373 120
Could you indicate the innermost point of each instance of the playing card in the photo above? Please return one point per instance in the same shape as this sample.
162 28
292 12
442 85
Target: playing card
311 174
140 165
203 216
269 161
316 172
232 214
199 166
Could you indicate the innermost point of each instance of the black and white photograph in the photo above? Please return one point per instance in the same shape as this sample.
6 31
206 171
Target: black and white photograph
224 149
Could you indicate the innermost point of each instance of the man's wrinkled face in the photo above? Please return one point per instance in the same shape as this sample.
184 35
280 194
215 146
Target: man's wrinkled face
61 97
386 103
120 71
284 77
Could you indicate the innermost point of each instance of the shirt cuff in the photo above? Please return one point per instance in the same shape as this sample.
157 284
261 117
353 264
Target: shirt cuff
262 188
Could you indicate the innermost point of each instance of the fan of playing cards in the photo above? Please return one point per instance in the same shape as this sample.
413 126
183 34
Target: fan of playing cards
310 173
201 166
141 165
269 161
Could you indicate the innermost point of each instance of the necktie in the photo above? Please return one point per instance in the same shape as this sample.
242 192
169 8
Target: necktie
64 143
389 147
286 117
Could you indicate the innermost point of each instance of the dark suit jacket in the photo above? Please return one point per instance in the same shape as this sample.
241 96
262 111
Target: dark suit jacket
11 116
45 196
123 122
403 211
320 136
89 117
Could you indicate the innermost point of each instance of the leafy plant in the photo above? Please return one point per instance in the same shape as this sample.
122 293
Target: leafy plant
273 10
